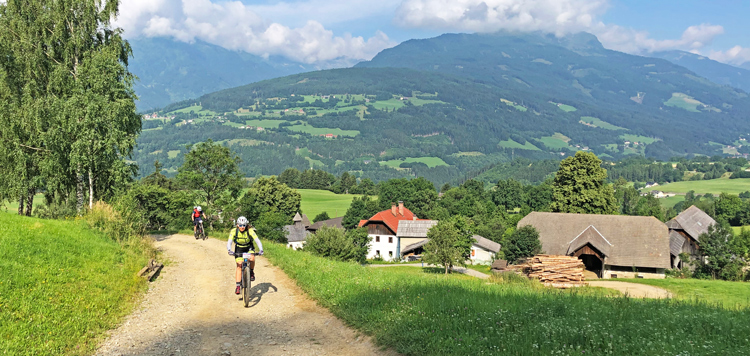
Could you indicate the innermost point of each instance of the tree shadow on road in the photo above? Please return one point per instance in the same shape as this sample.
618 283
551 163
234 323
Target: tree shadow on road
257 291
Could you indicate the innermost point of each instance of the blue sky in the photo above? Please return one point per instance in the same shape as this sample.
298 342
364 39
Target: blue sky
320 31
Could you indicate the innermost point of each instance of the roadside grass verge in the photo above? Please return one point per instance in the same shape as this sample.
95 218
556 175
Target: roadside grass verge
730 295
419 314
62 285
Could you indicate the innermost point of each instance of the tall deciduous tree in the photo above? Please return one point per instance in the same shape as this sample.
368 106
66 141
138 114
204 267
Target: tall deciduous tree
523 243
450 243
580 186
276 197
212 169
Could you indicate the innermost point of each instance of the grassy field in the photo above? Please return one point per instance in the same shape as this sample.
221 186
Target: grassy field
173 154
315 202
266 124
738 229
516 106
12 207
683 101
431 162
671 201
638 138
196 108
731 295
513 144
566 108
428 313
317 131
556 141
62 286
596 122
713 186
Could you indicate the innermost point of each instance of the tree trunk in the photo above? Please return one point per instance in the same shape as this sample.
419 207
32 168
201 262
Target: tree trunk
446 268
79 190
29 202
91 189
20 205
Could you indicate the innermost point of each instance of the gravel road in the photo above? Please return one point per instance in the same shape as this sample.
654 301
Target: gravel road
191 309
634 290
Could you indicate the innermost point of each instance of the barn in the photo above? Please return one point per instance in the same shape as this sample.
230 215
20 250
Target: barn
684 233
612 246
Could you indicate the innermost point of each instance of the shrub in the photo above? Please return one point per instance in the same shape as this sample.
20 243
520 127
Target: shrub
121 222
523 243
270 226
334 243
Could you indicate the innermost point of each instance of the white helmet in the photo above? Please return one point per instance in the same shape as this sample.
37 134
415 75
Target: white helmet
242 221
199 208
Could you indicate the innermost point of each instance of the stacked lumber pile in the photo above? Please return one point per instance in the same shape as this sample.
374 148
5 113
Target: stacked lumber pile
555 270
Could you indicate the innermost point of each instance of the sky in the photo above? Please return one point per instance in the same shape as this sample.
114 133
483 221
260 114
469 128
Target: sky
347 31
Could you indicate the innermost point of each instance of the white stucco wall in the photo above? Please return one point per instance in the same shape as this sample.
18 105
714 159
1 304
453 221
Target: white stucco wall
481 256
384 247
620 274
295 245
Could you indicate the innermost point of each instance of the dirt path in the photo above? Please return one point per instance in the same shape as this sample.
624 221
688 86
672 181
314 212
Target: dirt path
634 290
192 310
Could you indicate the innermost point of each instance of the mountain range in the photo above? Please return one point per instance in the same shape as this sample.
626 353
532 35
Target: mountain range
717 72
444 106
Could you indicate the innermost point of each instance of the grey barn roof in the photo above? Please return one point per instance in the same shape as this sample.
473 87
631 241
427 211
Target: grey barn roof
693 221
414 246
486 244
335 222
415 228
631 240
295 233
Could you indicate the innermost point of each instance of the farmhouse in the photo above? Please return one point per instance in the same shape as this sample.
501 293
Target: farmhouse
609 245
297 232
383 229
335 222
684 233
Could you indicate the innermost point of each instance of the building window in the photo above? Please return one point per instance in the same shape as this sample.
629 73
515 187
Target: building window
390 253
377 238
377 252
390 239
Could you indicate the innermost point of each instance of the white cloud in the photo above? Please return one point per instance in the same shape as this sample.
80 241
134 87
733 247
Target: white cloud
736 55
233 25
553 16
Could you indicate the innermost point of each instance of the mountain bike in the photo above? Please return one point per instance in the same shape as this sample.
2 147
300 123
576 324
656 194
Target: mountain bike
199 232
245 284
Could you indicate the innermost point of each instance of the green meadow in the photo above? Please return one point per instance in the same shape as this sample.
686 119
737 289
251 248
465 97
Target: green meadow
429 313
683 101
556 141
431 162
63 285
315 202
317 131
509 143
725 294
596 122
713 186
638 138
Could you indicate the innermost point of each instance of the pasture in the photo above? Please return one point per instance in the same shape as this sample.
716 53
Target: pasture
713 186
318 131
724 294
431 162
565 107
509 143
422 312
638 138
556 141
315 202
596 122
683 101
63 286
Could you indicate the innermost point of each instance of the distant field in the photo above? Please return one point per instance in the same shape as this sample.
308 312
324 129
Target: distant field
196 108
12 207
671 201
566 108
243 142
431 162
513 144
316 131
638 138
596 122
266 124
683 101
173 153
516 106
713 186
556 141
730 295
738 229
468 154
315 202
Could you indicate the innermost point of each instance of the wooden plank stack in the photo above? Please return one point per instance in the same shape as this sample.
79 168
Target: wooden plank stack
554 270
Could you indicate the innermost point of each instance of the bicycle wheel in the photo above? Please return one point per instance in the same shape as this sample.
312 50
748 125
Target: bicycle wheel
203 233
246 291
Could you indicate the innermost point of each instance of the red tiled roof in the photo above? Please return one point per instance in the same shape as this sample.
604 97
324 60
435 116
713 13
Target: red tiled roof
389 219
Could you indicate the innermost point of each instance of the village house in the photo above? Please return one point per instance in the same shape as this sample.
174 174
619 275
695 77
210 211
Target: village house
651 184
612 246
383 230
483 251
684 233
296 234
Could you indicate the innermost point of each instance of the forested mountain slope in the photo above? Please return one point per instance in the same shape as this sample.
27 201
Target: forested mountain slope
463 103
717 72
170 71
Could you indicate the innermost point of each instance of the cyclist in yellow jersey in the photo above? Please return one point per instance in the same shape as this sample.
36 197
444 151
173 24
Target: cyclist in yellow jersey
242 237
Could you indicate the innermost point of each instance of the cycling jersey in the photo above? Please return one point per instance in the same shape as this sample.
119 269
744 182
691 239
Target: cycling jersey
243 239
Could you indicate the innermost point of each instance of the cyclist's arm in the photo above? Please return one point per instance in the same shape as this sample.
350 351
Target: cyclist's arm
257 241
230 240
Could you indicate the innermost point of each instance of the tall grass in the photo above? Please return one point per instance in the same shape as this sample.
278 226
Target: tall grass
63 284
431 314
